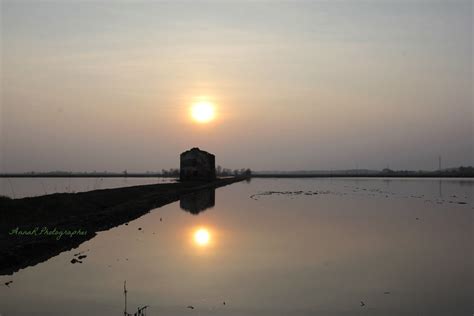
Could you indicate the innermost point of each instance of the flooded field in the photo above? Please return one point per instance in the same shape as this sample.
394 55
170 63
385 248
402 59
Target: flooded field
271 247
27 187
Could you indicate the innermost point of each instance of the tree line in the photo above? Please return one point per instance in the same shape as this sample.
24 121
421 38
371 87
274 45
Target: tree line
220 172
226 172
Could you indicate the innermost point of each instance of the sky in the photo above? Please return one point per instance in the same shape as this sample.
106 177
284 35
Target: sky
297 85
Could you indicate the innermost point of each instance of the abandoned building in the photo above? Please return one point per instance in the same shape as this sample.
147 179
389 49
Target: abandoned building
196 164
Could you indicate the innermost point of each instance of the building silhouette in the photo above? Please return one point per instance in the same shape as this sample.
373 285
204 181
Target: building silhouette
196 164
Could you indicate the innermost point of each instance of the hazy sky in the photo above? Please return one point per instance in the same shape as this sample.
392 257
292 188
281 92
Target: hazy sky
89 85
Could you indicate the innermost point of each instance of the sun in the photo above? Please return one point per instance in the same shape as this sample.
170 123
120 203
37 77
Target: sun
202 237
203 112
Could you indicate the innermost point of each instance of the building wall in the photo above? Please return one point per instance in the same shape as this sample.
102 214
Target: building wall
196 164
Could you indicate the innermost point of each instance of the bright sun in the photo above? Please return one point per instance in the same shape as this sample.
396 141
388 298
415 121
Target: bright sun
202 237
203 112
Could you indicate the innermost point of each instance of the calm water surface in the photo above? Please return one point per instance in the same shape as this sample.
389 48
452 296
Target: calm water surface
275 247
26 187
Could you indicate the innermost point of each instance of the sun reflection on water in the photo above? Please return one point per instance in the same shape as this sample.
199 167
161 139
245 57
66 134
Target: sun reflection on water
202 237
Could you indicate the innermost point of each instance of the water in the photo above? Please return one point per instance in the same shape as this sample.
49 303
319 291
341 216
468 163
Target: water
26 187
402 247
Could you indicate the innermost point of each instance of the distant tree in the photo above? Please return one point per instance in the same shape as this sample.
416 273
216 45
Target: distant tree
172 172
226 172
4 197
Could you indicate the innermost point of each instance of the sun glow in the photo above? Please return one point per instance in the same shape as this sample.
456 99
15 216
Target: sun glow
203 112
202 237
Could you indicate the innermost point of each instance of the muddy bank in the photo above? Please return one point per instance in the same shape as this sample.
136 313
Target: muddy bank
35 229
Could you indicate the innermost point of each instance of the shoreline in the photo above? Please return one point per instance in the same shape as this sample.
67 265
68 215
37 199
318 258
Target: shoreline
91 211
409 174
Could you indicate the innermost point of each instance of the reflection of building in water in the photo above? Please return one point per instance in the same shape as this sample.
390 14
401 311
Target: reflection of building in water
196 164
198 201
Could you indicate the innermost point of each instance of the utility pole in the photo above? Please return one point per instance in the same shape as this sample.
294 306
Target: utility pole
125 294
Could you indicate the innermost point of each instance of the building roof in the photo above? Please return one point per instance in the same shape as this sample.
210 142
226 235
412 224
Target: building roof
196 149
